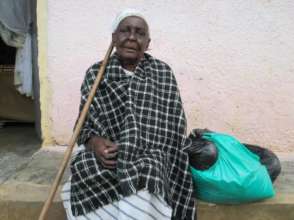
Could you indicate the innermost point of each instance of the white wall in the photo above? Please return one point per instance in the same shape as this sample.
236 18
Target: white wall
234 61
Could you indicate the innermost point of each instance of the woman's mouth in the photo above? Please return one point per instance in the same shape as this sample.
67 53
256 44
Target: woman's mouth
131 50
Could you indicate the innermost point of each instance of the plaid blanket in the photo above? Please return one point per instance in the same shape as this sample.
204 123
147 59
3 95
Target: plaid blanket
143 114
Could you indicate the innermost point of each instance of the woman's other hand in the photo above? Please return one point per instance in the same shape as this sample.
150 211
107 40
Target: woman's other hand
105 150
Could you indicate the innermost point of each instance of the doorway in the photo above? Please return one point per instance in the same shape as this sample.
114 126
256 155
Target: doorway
20 133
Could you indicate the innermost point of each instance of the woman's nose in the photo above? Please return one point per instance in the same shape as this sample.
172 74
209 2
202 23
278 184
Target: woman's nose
132 35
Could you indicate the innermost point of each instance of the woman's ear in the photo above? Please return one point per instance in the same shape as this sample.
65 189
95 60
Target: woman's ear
113 38
147 46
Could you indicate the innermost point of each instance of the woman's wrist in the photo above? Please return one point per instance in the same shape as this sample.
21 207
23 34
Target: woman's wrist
89 143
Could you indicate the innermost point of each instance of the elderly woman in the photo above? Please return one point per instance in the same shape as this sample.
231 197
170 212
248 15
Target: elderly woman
131 163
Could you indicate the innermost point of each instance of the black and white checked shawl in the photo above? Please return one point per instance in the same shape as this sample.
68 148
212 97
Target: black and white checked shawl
143 114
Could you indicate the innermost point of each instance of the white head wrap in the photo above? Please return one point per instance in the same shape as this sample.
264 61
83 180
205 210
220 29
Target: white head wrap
126 13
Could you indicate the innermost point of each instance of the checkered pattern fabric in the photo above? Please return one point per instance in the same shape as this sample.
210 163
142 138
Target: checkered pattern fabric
143 115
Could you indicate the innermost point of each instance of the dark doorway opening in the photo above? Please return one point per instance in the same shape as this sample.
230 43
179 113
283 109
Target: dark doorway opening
20 134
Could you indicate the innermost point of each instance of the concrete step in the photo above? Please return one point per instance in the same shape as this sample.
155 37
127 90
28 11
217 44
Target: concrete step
279 208
22 193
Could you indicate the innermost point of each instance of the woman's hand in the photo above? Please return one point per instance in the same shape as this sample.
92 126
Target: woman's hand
105 150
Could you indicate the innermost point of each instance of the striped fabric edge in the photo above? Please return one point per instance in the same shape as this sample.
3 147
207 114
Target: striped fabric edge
139 206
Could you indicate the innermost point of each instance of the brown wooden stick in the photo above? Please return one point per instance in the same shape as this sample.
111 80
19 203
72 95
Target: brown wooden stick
76 132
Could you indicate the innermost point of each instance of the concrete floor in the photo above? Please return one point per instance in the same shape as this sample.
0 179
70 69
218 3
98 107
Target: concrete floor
18 142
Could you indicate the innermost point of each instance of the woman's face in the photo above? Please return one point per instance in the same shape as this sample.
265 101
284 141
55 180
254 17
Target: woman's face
131 39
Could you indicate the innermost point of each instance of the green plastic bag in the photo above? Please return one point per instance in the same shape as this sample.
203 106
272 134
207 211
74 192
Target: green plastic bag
236 177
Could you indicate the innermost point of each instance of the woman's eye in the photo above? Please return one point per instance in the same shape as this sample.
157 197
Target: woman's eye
123 30
142 33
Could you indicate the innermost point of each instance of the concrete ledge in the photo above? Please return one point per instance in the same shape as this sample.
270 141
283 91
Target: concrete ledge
279 208
24 192
24 201
20 210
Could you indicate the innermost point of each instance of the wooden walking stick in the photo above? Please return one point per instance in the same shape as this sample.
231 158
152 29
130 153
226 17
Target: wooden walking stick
76 132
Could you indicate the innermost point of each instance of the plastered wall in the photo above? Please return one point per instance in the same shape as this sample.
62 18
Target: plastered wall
234 62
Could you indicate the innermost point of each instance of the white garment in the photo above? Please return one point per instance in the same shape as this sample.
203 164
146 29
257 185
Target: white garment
140 206
128 72
23 72
16 17
11 38
17 14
